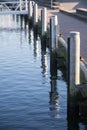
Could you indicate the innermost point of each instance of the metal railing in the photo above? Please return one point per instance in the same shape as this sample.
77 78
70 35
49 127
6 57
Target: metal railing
14 5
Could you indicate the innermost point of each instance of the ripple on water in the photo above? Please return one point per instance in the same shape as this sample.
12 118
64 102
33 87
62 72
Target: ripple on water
25 84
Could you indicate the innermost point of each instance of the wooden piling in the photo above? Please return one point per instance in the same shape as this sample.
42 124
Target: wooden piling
73 73
44 20
30 10
74 60
53 40
53 32
35 14
30 14
35 20
43 28
26 5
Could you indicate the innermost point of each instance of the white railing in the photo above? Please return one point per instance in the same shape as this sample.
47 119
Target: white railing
14 6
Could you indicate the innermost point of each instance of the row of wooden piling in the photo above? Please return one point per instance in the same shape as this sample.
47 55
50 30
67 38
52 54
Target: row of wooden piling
74 41
71 54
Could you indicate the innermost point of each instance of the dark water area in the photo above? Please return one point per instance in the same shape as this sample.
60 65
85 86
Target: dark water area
29 99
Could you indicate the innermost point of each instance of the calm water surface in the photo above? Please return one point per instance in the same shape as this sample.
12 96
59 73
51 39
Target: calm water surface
29 100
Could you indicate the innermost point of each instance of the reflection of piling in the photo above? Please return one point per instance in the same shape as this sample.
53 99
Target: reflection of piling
73 71
54 94
35 47
53 45
25 21
53 64
44 63
21 21
54 102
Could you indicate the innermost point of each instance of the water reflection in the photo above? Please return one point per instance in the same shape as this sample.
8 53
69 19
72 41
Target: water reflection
36 49
54 93
31 37
54 99
44 62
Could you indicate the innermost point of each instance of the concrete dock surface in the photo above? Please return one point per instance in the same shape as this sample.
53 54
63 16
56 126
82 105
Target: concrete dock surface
69 23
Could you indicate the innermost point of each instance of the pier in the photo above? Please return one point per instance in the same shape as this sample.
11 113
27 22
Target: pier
67 24
65 37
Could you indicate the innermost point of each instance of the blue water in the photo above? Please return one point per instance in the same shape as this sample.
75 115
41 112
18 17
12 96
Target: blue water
25 84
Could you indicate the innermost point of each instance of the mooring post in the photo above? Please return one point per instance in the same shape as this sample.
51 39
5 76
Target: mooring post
73 71
26 5
44 20
30 14
53 45
35 18
35 14
43 28
56 31
53 32
74 60
30 10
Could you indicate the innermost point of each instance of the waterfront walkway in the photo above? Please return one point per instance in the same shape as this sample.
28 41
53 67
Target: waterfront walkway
68 23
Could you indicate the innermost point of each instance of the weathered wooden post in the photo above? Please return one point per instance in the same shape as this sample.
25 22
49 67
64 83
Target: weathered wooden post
43 27
35 14
30 14
30 10
44 20
74 59
35 18
56 30
26 5
53 45
53 32
73 71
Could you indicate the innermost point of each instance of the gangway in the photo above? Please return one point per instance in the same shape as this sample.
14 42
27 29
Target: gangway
14 7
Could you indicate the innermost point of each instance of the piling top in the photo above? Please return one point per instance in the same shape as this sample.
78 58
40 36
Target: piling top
55 19
74 33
